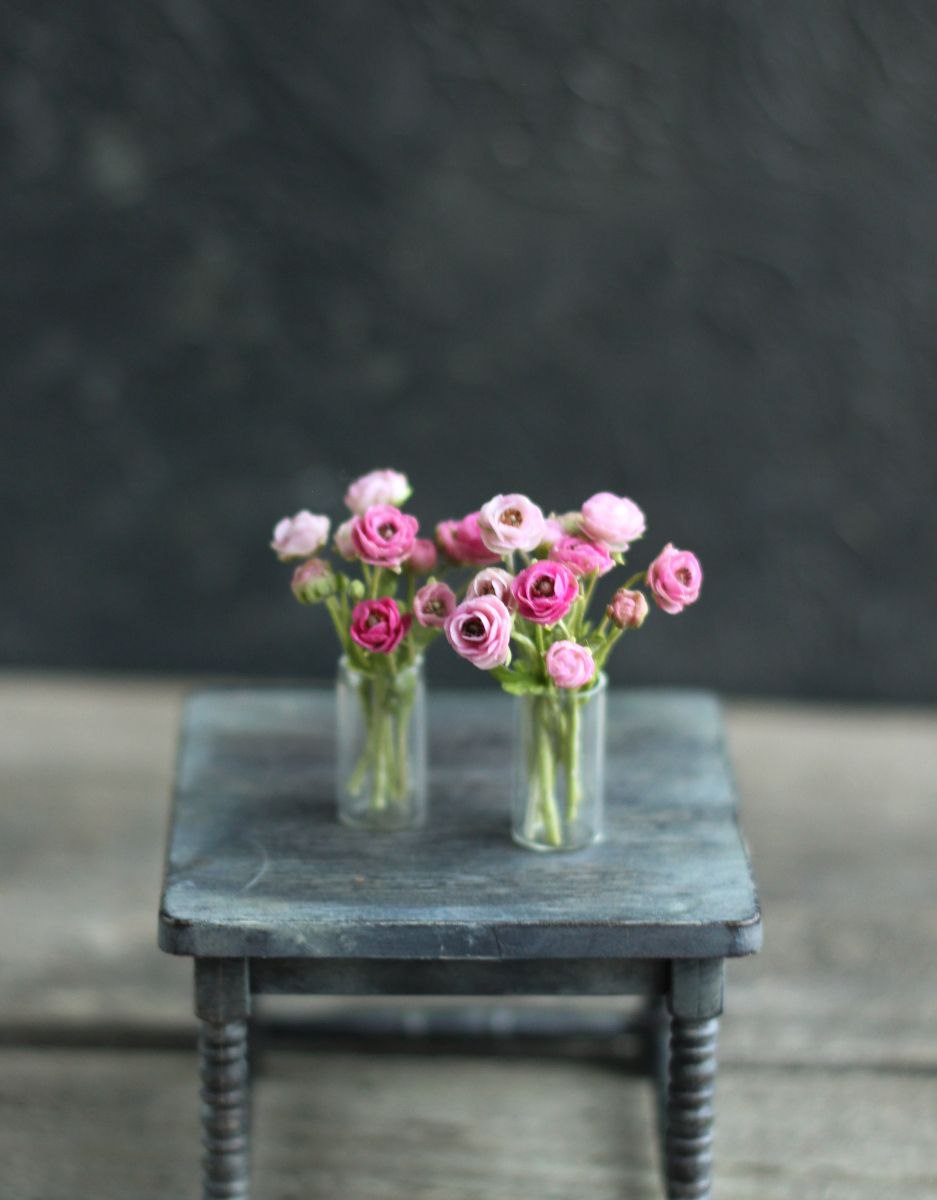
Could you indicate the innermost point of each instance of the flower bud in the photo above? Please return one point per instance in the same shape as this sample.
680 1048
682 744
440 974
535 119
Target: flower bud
628 609
356 589
313 581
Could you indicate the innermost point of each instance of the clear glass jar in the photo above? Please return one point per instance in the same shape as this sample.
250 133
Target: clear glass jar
559 768
381 746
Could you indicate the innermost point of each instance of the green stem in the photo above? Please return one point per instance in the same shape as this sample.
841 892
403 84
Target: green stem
587 598
573 756
546 767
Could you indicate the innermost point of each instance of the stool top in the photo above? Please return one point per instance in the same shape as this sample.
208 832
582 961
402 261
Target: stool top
258 865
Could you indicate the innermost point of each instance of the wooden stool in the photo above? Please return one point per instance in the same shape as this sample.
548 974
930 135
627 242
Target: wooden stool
270 895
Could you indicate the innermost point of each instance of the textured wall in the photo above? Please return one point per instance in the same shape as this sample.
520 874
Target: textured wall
685 250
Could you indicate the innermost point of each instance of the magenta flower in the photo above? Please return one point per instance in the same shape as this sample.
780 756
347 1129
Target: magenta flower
384 536
378 625
675 578
461 542
422 558
492 581
627 609
300 536
377 487
582 557
570 665
433 603
509 523
480 631
615 521
545 592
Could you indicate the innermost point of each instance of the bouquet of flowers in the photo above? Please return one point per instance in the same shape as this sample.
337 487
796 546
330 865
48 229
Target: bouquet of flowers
384 621
528 622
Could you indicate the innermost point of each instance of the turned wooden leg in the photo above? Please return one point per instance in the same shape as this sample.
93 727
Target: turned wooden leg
690 1109
225 1111
222 1002
695 1003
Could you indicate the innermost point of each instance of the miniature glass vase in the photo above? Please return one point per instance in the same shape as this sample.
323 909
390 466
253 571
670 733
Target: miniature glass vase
381 746
559 768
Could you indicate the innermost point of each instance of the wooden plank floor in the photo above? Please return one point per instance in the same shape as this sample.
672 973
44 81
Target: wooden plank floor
828 1086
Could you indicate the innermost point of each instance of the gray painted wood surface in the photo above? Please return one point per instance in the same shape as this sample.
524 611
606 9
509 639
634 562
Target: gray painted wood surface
259 867
828 1049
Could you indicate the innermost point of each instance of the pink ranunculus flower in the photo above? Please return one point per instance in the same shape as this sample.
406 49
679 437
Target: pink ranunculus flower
422 558
570 665
433 603
300 536
461 542
492 581
379 625
545 592
480 631
675 578
384 536
312 581
582 557
378 487
615 521
344 543
627 609
509 523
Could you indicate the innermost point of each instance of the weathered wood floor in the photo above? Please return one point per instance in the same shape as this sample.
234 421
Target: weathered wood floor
828 1085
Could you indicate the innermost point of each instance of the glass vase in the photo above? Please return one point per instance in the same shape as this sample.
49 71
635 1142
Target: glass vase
381 746
559 768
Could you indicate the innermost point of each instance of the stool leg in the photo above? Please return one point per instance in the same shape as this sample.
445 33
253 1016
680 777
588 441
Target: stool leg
690 1109
225 1110
222 1003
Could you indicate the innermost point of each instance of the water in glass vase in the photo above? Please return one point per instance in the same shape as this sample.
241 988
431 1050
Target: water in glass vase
559 768
381 746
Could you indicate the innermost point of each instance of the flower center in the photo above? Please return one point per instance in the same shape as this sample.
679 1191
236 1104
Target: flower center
435 607
387 530
543 586
486 588
473 628
372 620
683 574
512 516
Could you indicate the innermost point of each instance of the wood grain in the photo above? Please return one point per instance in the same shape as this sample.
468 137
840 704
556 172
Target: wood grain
259 867
828 1046
113 1124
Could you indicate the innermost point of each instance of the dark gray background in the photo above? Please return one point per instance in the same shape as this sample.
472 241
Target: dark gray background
683 250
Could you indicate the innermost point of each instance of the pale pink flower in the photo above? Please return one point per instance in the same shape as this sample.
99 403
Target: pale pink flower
582 557
570 665
509 523
615 521
492 581
379 625
675 578
627 609
553 530
480 631
461 542
344 542
384 536
378 487
300 536
433 603
422 558
545 592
